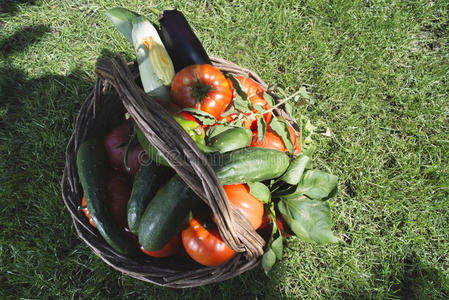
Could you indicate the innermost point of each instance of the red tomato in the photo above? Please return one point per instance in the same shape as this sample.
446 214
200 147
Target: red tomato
86 212
250 87
203 87
273 141
250 206
283 227
169 249
205 246
118 193
255 95
233 91
267 227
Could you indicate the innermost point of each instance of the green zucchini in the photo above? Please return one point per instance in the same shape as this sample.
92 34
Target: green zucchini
166 214
91 162
249 165
147 181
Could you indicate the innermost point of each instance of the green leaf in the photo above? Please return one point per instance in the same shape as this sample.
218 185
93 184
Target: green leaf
259 108
122 20
229 112
261 128
289 108
268 260
317 184
202 116
242 105
309 219
216 130
309 127
281 128
269 99
238 87
296 169
260 191
277 247
241 101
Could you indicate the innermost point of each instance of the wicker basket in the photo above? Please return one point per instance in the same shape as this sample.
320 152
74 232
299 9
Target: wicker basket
115 91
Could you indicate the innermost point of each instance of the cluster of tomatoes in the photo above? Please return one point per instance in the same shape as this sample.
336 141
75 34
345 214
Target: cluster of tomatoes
204 88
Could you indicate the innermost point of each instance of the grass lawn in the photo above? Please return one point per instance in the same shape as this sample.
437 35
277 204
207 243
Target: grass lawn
379 75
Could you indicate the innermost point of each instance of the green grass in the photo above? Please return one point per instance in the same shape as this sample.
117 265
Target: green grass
378 71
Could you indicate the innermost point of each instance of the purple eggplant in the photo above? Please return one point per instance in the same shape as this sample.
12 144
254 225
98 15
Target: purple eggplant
182 44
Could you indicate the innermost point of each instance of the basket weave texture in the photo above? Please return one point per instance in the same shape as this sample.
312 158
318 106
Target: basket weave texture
115 92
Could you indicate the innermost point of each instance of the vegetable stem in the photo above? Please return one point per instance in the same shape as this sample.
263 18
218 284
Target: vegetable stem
252 114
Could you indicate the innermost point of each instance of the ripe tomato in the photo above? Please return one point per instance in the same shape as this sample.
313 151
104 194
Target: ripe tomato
205 245
250 206
255 95
250 87
273 141
266 228
203 87
283 227
169 249
86 212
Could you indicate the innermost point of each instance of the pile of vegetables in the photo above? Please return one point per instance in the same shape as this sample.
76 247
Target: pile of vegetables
136 201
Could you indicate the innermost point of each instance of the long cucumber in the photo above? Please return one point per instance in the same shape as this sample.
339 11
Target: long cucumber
91 163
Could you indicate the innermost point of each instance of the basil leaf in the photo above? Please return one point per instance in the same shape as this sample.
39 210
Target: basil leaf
268 260
216 130
281 128
309 219
296 169
317 184
277 247
202 116
260 191
261 128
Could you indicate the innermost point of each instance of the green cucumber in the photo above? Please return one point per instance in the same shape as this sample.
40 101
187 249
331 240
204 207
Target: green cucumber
147 181
91 162
249 165
166 214
231 139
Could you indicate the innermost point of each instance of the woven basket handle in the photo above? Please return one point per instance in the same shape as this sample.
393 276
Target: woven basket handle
181 152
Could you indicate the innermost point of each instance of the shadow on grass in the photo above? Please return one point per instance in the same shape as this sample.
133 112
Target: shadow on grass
418 280
11 6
